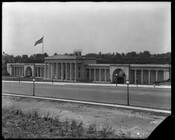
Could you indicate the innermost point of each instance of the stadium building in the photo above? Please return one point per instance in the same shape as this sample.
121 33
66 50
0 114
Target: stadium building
86 69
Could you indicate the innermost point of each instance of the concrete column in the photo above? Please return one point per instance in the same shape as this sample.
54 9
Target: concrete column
40 74
148 76
49 66
22 71
19 71
99 74
37 71
141 76
11 70
135 77
75 72
16 70
61 71
156 75
70 71
44 70
59 67
164 73
52 70
66 70
40 71
48 70
56 70
94 74
105 75
89 74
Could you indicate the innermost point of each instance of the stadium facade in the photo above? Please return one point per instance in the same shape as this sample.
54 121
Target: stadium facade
86 69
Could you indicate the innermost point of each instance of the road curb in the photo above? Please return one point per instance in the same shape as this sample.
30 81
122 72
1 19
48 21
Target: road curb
91 84
92 103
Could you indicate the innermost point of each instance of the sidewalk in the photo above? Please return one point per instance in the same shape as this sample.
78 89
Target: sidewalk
93 84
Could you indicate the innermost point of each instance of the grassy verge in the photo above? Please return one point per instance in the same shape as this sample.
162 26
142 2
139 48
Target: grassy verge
29 124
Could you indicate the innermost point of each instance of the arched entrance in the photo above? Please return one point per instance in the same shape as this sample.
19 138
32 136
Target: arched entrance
28 72
118 76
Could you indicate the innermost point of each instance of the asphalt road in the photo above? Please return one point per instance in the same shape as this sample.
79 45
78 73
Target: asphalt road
157 98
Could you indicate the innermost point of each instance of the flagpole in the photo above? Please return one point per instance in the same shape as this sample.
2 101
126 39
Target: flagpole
43 49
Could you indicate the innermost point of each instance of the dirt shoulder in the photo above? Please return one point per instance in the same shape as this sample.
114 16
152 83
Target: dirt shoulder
124 121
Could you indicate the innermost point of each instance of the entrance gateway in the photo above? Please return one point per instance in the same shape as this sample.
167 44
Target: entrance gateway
118 76
28 72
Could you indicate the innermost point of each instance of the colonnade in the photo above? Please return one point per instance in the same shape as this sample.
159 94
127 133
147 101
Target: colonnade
98 74
142 76
62 71
39 71
17 70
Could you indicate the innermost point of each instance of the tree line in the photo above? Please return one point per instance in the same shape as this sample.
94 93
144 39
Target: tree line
132 57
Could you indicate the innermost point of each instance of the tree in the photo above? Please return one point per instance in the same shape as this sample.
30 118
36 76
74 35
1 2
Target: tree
45 55
25 58
6 59
146 54
123 55
91 55
99 54
131 54
55 54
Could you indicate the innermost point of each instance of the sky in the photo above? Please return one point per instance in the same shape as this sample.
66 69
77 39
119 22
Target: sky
93 27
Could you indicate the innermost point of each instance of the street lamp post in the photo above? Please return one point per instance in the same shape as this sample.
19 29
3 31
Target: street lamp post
127 82
116 79
33 87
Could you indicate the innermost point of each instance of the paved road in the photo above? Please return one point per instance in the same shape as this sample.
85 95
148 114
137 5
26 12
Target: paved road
159 98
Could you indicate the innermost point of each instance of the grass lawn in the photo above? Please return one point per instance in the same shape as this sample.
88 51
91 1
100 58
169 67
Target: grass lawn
20 124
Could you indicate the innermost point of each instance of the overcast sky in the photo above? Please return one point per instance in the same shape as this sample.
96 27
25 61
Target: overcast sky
93 27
